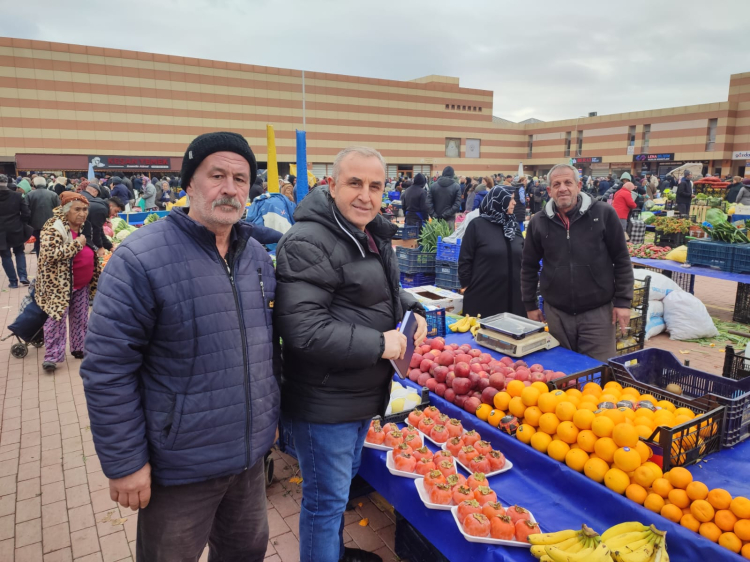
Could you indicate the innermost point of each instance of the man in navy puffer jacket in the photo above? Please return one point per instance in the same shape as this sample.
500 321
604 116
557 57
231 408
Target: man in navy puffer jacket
180 367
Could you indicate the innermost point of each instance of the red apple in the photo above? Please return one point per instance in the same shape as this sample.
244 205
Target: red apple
453 346
431 384
485 367
424 349
497 381
461 386
414 375
440 389
475 368
475 353
446 358
474 379
416 359
449 395
438 343
507 361
536 367
425 365
460 399
472 404
464 348
527 383
486 357
522 375
423 378
483 383
449 380
488 395
520 363
559 375
462 370
440 374
538 376
463 358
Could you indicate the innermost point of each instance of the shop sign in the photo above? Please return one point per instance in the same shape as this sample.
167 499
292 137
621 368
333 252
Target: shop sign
586 160
654 157
130 162
602 166
741 155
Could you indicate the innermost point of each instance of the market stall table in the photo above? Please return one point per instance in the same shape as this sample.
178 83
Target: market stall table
559 497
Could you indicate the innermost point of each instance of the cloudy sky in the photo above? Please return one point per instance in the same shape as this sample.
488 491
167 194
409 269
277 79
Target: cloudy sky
548 59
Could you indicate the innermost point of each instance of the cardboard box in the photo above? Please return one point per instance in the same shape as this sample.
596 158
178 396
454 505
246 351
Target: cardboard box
440 298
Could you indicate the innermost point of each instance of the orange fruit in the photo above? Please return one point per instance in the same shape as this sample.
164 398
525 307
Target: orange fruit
547 403
574 392
627 412
655 468
636 493
654 502
567 432
548 423
586 440
515 388
595 468
559 396
626 459
524 433
576 459
625 435
710 531
644 476
592 388
666 405
681 419
697 490
516 406
719 498
531 416
672 512
679 498
540 441
558 450
684 412
730 541
483 411
725 520
583 419
609 397
701 510
589 398
740 506
495 416
644 451
529 396
742 529
648 397
643 431
615 385
565 411
690 522
662 487
745 552
679 477
602 426
605 449
616 480
502 400
615 415
541 387
645 413
590 406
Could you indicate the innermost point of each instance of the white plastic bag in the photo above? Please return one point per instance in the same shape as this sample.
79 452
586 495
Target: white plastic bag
461 228
661 285
655 319
686 317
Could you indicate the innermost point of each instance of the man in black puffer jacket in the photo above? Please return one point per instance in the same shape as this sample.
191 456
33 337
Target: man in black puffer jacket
444 197
338 303
684 195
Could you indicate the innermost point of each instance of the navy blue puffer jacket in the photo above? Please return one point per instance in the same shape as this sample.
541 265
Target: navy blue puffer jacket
180 364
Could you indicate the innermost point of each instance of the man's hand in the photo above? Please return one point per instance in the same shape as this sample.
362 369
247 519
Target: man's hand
134 490
421 333
395 345
535 315
621 316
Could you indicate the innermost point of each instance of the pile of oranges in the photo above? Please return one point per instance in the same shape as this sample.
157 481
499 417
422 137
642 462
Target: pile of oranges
606 446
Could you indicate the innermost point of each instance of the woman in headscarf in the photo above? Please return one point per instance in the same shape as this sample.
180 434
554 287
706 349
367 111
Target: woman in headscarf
68 273
165 196
489 263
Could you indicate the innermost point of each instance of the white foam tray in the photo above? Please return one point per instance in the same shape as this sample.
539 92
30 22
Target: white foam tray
488 540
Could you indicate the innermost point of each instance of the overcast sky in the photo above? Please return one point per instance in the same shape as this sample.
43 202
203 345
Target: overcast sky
548 59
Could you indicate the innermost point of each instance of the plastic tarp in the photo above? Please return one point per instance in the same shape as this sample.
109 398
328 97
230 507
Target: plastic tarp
559 497
272 210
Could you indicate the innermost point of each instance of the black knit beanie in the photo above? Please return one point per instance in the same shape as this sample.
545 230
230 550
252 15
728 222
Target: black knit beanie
209 143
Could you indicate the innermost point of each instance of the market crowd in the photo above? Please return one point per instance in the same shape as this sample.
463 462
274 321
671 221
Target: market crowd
198 351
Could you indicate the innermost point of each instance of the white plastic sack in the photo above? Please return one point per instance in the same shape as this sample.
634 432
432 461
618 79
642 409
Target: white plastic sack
461 228
655 324
661 285
686 317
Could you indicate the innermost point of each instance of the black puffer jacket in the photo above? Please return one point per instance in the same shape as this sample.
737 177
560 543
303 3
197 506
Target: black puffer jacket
444 198
586 265
334 299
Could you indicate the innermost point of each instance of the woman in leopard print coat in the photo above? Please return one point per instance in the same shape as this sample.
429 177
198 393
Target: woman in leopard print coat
67 276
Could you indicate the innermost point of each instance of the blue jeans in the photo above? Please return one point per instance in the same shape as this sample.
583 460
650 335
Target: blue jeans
329 456
10 271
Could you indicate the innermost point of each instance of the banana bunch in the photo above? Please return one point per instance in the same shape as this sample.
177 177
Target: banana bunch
475 325
636 542
465 324
570 546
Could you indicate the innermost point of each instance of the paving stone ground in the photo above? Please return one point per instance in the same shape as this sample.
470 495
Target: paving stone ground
54 497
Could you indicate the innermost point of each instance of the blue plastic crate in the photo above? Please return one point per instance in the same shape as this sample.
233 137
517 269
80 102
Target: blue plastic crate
436 323
414 260
446 251
446 275
719 255
407 233
741 258
394 195
416 279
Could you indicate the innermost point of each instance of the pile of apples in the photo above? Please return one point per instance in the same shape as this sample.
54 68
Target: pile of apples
468 377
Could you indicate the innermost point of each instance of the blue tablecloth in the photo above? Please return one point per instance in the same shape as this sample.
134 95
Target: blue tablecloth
559 497
670 265
726 469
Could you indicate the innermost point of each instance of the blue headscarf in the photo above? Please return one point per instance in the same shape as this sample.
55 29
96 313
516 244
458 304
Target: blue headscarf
494 208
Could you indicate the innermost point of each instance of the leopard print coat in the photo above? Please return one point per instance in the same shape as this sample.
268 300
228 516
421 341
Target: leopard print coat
54 281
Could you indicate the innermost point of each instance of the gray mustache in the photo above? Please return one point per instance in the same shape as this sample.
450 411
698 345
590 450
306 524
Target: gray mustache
226 201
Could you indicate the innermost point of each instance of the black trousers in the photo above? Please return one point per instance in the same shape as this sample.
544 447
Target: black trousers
228 513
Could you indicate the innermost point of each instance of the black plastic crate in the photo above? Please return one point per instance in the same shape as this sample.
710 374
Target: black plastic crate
409 280
742 304
736 366
702 392
446 275
401 416
640 294
412 545
600 375
672 240
719 255
407 233
414 260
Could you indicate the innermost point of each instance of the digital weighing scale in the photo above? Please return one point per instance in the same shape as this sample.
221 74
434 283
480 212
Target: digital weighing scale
513 335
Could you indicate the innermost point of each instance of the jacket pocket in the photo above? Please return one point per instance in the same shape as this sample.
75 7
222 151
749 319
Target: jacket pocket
172 427
589 290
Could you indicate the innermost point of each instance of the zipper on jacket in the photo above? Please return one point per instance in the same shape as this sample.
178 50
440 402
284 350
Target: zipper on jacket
230 268
262 293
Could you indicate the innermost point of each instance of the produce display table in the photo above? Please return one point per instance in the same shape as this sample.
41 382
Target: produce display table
726 469
559 497
677 267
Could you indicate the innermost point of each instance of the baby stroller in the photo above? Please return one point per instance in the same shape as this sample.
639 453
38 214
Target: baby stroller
28 327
